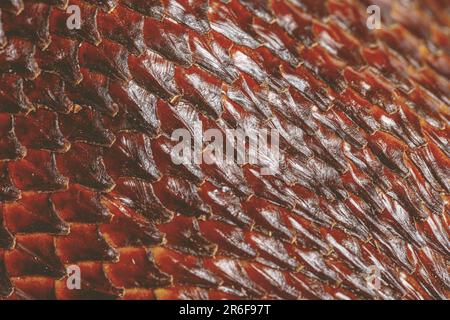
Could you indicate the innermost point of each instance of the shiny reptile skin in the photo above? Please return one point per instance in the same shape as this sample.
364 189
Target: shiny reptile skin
358 210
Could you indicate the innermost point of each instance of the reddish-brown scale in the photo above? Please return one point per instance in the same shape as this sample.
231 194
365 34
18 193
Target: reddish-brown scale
309 86
350 15
38 211
139 196
337 42
33 24
130 230
88 29
14 6
88 176
389 65
96 286
140 269
40 130
34 247
297 23
92 131
324 66
18 57
435 83
61 57
8 192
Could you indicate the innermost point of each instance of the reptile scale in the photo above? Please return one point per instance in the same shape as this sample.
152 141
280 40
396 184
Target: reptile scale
359 208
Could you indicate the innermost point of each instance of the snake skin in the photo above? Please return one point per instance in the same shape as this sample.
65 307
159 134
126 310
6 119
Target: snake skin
86 178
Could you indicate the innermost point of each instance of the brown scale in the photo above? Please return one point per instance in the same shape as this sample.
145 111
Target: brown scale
255 66
129 34
310 86
96 286
343 126
140 269
180 196
201 89
192 14
302 29
92 131
184 268
426 162
277 41
234 275
212 54
88 31
137 111
270 219
372 88
358 110
90 245
297 109
274 282
154 73
34 247
91 171
33 288
140 197
389 65
233 22
184 235
151 8
37 172
269 187
231 177
11 149
35 29
356 182
34 214
261 9
61 57
337 42
7 241
440 138
324 66
93 91
230 240
49 90
440 63
225 205
40 130
435 83
12 95
80 205
87 179
18 58
107 58
105 5
351 16
128 229
168 39
246 94
163 148
15 6
428 107
400 40
328 147
131 156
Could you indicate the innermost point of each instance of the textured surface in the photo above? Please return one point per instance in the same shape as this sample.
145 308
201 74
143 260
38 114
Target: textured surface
86 178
